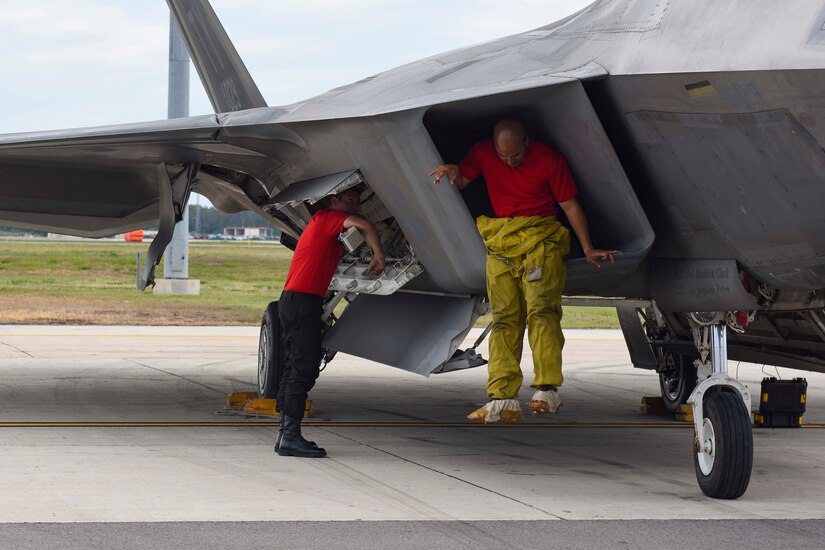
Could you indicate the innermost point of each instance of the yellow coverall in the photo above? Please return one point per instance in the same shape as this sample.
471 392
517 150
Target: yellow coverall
525 278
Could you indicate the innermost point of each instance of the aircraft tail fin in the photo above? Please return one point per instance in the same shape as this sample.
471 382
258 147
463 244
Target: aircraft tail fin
227 81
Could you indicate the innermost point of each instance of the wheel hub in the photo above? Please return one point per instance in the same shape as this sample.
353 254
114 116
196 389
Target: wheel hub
671 376
707 453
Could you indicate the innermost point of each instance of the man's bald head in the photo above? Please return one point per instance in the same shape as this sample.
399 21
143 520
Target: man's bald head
510 141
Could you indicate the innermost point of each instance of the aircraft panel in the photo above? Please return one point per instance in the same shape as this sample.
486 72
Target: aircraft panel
746 180
431 327
726 165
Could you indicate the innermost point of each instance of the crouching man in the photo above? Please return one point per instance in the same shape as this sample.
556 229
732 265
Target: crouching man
300 309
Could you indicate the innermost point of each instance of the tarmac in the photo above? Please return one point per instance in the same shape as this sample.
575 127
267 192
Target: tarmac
404 463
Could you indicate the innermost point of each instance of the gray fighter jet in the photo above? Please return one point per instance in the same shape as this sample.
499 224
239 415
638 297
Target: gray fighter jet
694 129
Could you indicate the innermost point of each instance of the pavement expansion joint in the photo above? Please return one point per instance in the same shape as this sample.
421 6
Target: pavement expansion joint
451 476
15 348
173 374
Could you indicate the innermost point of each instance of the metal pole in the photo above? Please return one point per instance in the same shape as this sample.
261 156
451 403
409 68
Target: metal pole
176 257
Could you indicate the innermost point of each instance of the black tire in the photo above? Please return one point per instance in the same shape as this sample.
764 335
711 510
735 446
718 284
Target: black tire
677 378
270 354
727 472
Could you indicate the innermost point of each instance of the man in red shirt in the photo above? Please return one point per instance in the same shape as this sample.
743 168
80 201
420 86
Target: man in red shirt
300 308
526 246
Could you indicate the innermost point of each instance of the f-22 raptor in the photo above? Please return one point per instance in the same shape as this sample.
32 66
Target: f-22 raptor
695 131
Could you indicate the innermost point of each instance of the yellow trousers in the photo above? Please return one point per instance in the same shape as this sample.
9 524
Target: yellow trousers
518 303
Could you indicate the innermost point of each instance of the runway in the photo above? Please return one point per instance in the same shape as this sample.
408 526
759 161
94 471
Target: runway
120 425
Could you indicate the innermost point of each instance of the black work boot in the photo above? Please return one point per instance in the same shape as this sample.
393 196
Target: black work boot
281 435
293 444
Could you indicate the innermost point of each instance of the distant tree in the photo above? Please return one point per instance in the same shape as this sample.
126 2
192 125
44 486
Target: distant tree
208 220
15 232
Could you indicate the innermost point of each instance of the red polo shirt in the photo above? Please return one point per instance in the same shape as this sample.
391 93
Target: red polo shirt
532 189
317 254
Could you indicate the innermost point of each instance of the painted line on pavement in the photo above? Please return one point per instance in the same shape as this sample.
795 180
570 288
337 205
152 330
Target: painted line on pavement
227 336
332 424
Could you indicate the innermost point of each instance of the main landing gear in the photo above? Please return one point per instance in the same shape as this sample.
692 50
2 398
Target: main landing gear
270 347
677 377
270 358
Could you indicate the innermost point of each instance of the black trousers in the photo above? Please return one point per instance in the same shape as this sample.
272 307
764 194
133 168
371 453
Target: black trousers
300 318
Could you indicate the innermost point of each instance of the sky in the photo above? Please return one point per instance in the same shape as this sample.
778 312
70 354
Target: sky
99 62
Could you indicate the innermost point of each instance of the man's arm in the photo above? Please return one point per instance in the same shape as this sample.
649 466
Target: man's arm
370 234
452 172
575 214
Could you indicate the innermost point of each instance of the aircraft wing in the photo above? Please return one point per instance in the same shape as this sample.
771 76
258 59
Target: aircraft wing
96 182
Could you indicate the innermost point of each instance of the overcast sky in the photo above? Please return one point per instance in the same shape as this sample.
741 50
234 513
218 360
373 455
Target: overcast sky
97 62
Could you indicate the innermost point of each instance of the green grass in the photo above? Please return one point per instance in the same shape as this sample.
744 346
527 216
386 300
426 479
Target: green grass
98 278
590 317
237 280
578 317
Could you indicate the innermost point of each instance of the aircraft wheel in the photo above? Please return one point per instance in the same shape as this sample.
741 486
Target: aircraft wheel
677 378
270 364
723 461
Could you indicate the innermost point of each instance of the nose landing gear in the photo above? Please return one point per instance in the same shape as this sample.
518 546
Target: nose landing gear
723 457
723 442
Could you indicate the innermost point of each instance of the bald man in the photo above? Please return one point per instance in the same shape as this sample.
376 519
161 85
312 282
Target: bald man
526 246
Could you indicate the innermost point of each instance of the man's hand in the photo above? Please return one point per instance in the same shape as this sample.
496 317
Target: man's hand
451 172
595 254
575 215
377 265
370 234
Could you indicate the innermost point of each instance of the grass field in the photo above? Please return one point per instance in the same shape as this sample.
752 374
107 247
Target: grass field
82 282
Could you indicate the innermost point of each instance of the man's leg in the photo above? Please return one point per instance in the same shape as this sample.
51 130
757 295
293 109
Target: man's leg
504 369
507 334
300 316
283 373
543 299
302 328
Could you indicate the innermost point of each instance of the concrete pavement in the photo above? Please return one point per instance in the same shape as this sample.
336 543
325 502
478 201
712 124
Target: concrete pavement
400 535
544 469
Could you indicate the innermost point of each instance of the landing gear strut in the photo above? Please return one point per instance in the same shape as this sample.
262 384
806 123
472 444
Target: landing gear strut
723 442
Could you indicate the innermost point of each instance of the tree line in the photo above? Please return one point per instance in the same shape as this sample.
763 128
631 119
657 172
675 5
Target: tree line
205 220
208 220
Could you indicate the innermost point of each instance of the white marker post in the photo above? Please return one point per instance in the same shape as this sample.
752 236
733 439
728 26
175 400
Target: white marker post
176 257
